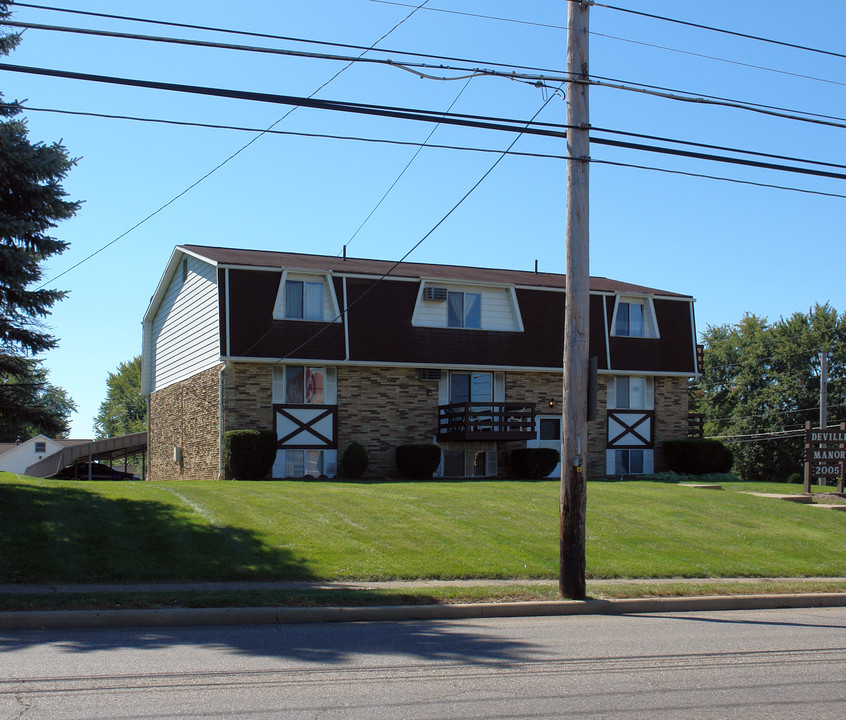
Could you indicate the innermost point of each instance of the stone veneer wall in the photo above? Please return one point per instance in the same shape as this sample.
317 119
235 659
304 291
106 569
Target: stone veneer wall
382 408
186 415
248 397
540 388
671 414
378 407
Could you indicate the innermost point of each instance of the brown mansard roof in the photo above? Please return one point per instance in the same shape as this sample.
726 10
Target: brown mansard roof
359 266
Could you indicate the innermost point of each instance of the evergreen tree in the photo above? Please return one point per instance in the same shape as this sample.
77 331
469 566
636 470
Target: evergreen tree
42 408
32 202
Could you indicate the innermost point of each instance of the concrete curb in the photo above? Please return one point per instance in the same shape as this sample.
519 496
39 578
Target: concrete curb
27 620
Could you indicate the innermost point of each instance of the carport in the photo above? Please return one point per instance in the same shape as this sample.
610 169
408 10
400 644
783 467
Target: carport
107 449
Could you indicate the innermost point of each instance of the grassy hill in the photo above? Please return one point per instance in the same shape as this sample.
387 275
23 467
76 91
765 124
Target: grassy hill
62 531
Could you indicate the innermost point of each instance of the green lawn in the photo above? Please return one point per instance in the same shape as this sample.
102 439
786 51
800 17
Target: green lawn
60 531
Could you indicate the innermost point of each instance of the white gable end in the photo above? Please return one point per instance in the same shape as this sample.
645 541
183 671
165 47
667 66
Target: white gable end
185 332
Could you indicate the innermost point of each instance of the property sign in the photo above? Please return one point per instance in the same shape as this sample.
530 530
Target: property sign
825 453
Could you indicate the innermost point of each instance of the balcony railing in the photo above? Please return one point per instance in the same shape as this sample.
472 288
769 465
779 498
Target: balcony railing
486 421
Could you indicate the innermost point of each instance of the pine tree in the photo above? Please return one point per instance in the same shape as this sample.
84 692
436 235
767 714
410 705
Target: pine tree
32 202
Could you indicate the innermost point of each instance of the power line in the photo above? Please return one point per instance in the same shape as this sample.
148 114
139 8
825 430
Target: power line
287 38
515 153
718 177
657 91
408 165
460 119
414 247
327 43
219 165
718 59
476 15
712 28
691 97
557 126
404 64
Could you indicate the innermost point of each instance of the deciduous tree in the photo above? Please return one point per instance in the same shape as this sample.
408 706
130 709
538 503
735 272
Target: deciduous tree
124 410
762 380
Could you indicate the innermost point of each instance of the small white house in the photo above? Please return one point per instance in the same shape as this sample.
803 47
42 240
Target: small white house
19 457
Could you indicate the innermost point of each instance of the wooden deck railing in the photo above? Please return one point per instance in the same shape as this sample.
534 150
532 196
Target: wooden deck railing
486 421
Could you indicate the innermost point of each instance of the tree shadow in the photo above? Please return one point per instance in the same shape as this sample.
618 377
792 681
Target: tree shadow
77 535
435 641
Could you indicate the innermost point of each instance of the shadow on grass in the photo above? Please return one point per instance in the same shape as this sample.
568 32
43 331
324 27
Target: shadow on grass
75 535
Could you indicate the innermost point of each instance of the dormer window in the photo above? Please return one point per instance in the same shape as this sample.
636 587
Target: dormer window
305 296
634 317
464 310
630 319
303 300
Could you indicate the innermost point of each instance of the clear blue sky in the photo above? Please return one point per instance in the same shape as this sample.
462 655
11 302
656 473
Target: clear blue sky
735 248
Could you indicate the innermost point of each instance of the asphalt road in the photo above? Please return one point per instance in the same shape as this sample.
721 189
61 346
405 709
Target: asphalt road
740 664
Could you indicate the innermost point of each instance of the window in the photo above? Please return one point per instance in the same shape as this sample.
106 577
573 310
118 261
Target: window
549 429
629 319
470 387
40 447
469 463
635 317
628 462
631 393
304 385
304 299
464 310
305 463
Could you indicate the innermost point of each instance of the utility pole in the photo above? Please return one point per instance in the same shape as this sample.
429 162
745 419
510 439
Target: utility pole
823 398
577 317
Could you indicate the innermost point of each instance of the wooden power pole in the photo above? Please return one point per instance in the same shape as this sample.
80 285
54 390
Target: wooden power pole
577 316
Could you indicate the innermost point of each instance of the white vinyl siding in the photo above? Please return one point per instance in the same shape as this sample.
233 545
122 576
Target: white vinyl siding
499 308
186 328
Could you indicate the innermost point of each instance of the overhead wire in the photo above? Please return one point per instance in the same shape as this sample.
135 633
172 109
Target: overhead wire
217 167
326 325
403 171
326 43
409 114
288 38
712 28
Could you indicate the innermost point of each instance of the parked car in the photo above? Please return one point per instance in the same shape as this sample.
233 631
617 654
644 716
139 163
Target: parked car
98 472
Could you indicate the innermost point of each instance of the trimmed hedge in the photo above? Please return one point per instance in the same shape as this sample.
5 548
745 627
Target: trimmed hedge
696 456
418 462
354 461
534 463
248 454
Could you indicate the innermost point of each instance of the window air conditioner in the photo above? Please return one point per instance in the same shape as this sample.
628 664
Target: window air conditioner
438 294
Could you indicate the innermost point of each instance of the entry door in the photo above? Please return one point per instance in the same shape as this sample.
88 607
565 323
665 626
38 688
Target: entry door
548 429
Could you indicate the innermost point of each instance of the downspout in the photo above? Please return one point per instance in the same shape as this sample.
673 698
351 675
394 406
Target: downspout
221 471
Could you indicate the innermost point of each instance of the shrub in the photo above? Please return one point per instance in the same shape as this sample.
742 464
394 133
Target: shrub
695 456
418 462
248 454
534 463
354 460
